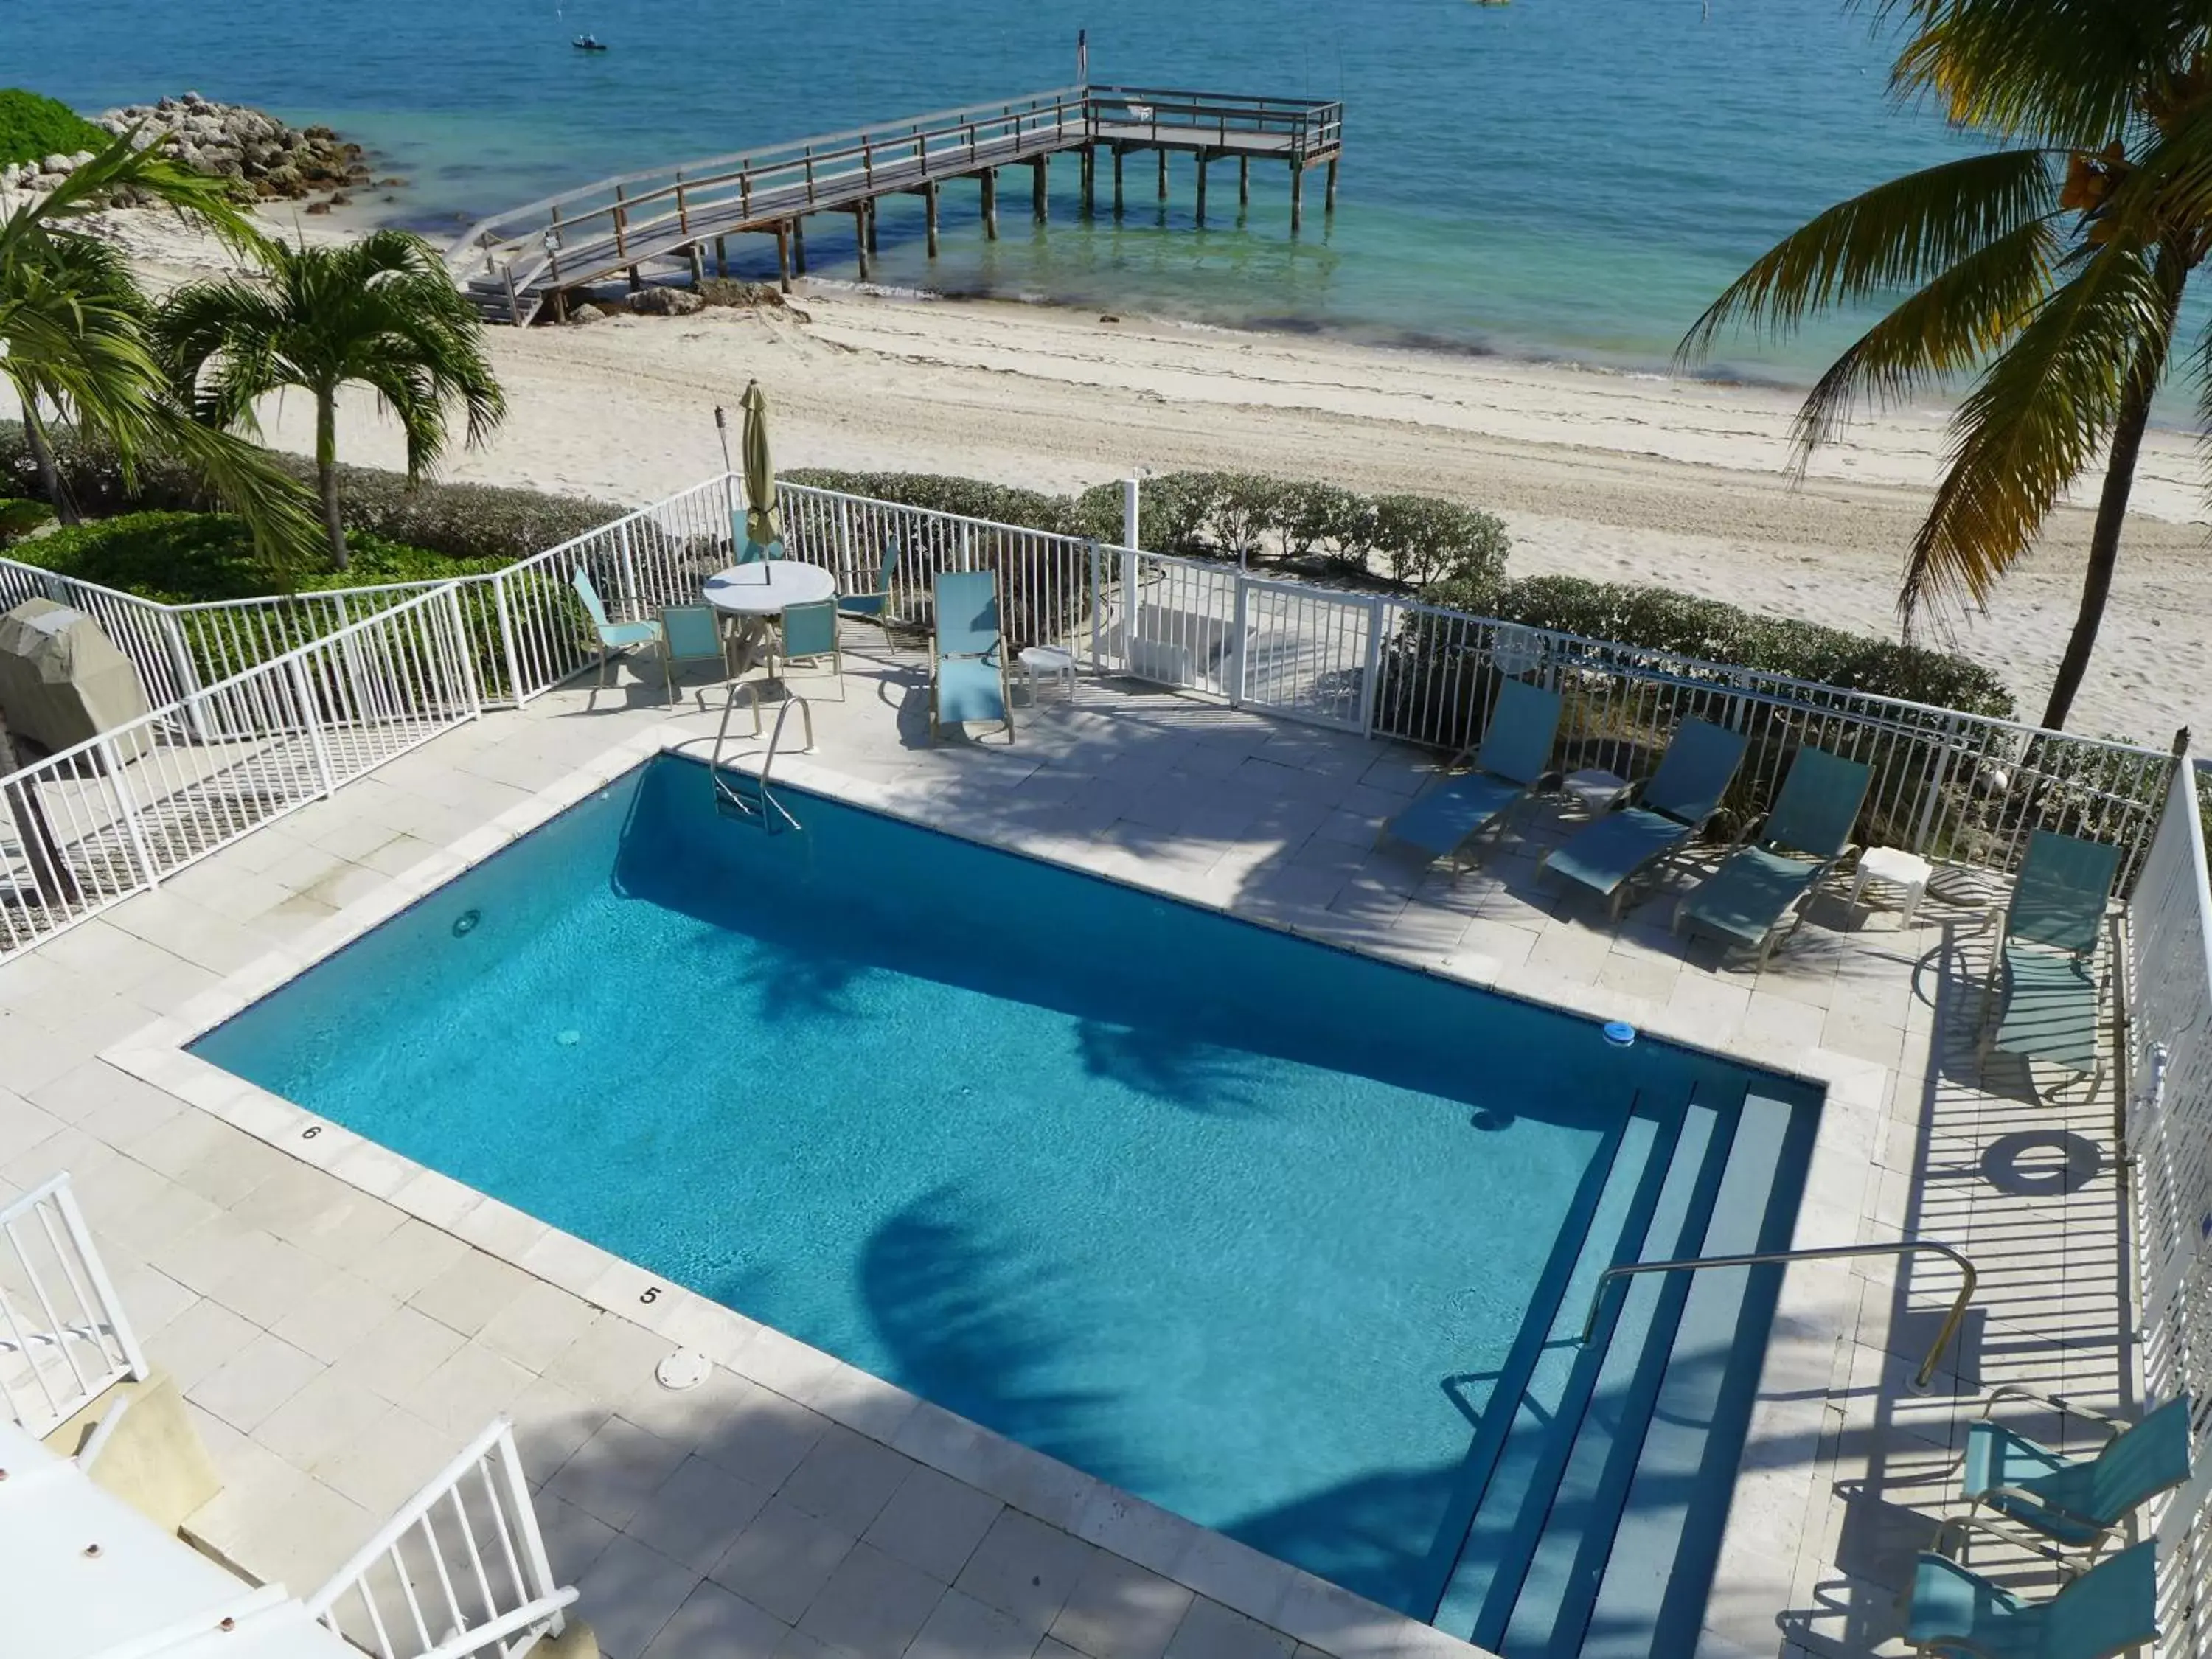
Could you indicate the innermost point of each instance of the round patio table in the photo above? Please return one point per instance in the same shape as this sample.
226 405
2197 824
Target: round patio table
749 594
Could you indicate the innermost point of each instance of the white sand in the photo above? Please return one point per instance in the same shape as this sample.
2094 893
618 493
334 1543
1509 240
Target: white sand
1597 475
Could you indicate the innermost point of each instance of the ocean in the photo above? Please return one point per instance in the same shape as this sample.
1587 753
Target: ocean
1557 179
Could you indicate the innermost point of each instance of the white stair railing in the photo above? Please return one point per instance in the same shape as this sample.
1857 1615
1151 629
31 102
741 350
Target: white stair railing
461 1569
64 1339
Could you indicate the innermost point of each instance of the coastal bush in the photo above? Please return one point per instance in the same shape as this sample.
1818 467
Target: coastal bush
34 127
969 498
19 518
460 520
181 558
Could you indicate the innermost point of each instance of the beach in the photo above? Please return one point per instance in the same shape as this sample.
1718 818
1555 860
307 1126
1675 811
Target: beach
1611 476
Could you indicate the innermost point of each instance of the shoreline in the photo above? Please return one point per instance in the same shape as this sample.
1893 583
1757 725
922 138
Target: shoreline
1608 476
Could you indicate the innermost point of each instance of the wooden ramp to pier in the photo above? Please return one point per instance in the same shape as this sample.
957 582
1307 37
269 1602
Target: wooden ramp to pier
514 264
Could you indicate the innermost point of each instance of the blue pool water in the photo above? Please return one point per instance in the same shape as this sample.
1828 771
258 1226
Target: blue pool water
1254 1227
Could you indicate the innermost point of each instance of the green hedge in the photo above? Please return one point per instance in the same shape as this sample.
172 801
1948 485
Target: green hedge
182 558
462 520
34 127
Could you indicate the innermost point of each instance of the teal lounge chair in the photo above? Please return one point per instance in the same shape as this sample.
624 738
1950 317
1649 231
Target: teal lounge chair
690 633
967 658
876 606
808 634
749 550
1767 881
2076 1503
613 635
1611 856
2112 1607
2043 991
1512 762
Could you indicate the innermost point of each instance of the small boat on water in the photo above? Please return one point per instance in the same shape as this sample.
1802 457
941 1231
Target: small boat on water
588 43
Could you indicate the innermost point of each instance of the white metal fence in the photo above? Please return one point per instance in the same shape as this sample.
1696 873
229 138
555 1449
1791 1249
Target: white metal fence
64 1337
2169 1131
91 825
461 1568
83 829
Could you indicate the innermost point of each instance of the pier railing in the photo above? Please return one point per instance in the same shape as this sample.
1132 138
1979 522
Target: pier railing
583 234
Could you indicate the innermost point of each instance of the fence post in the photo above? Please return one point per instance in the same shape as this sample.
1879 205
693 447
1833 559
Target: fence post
1943 772
188 678
111 758
1098 608
314 727
1131 504
1371 683
1237 643
506 636
464 651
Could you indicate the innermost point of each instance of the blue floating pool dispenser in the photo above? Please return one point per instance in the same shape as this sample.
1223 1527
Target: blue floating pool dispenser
1620 1033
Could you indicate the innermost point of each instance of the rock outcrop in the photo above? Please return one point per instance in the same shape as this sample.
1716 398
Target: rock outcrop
265 157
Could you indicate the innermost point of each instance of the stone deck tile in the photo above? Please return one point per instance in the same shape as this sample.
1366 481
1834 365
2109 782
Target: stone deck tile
340 1321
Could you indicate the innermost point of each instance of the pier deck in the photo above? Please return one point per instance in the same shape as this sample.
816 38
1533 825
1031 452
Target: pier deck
515 263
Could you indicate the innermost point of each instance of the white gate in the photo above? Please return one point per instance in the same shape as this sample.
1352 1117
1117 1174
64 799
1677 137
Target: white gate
1306 653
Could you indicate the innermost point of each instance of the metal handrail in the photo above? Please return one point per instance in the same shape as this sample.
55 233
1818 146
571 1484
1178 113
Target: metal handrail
1824 1253
751 689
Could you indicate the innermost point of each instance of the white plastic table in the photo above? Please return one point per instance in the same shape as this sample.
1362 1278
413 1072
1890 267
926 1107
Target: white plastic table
1894 867
1597 791
1050 662
749 594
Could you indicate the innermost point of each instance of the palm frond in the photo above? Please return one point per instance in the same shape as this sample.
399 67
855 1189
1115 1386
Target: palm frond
2037 417
1899 235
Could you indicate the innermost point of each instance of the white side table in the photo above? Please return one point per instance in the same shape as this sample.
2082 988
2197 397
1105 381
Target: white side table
1597 791
1048 662
1892 866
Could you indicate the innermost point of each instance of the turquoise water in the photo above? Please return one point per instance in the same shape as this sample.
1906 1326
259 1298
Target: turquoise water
1573 177
1240 1222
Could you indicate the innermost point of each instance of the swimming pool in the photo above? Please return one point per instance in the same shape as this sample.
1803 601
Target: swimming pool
1279 1236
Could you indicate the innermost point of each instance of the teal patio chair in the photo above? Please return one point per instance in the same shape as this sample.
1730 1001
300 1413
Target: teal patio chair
691 634
2043 992
1766 880
967 655
1960 1614
2081 1503
1611 856
875 606
808 634
615 637
1513 763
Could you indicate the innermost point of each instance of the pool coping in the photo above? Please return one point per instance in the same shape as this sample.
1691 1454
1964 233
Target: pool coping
1313 1610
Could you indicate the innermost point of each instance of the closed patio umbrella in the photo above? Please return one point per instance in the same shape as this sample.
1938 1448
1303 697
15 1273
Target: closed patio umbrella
763 528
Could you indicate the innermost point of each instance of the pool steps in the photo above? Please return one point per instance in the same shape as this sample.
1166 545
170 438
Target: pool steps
1594 1525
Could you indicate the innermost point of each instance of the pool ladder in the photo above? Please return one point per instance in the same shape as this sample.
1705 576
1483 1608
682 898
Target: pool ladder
760 807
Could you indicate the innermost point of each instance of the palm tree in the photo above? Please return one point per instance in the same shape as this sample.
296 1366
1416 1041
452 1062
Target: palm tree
74 346
381 312
2050 267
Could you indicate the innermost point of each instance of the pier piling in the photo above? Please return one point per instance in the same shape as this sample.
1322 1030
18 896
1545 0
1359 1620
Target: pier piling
990 177
874 203
929 207
1205 157
1329 198
722 257
1117 181
783 256
860 237
1298 197
1243 182
1089 170
799 244
1040 187
1164 175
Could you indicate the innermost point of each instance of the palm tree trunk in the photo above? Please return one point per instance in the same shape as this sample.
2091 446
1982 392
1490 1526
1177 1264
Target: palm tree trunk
326 470
50 472
2112 501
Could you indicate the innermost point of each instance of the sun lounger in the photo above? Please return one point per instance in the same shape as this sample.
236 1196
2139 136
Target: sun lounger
1514 759
1767 882
2043 990
2112 1607
1611 856
967 658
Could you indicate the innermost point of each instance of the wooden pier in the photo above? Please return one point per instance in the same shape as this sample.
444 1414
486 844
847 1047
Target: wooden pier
517 263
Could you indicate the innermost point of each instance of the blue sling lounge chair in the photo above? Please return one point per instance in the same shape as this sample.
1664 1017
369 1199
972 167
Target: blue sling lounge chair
1611 856
1765 882
1516 752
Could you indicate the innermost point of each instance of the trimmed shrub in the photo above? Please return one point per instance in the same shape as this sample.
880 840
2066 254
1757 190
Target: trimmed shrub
1428 541
461 520
1661 619
969 498
181 558
34 127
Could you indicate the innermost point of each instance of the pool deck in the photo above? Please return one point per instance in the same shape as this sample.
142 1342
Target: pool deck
341 1321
